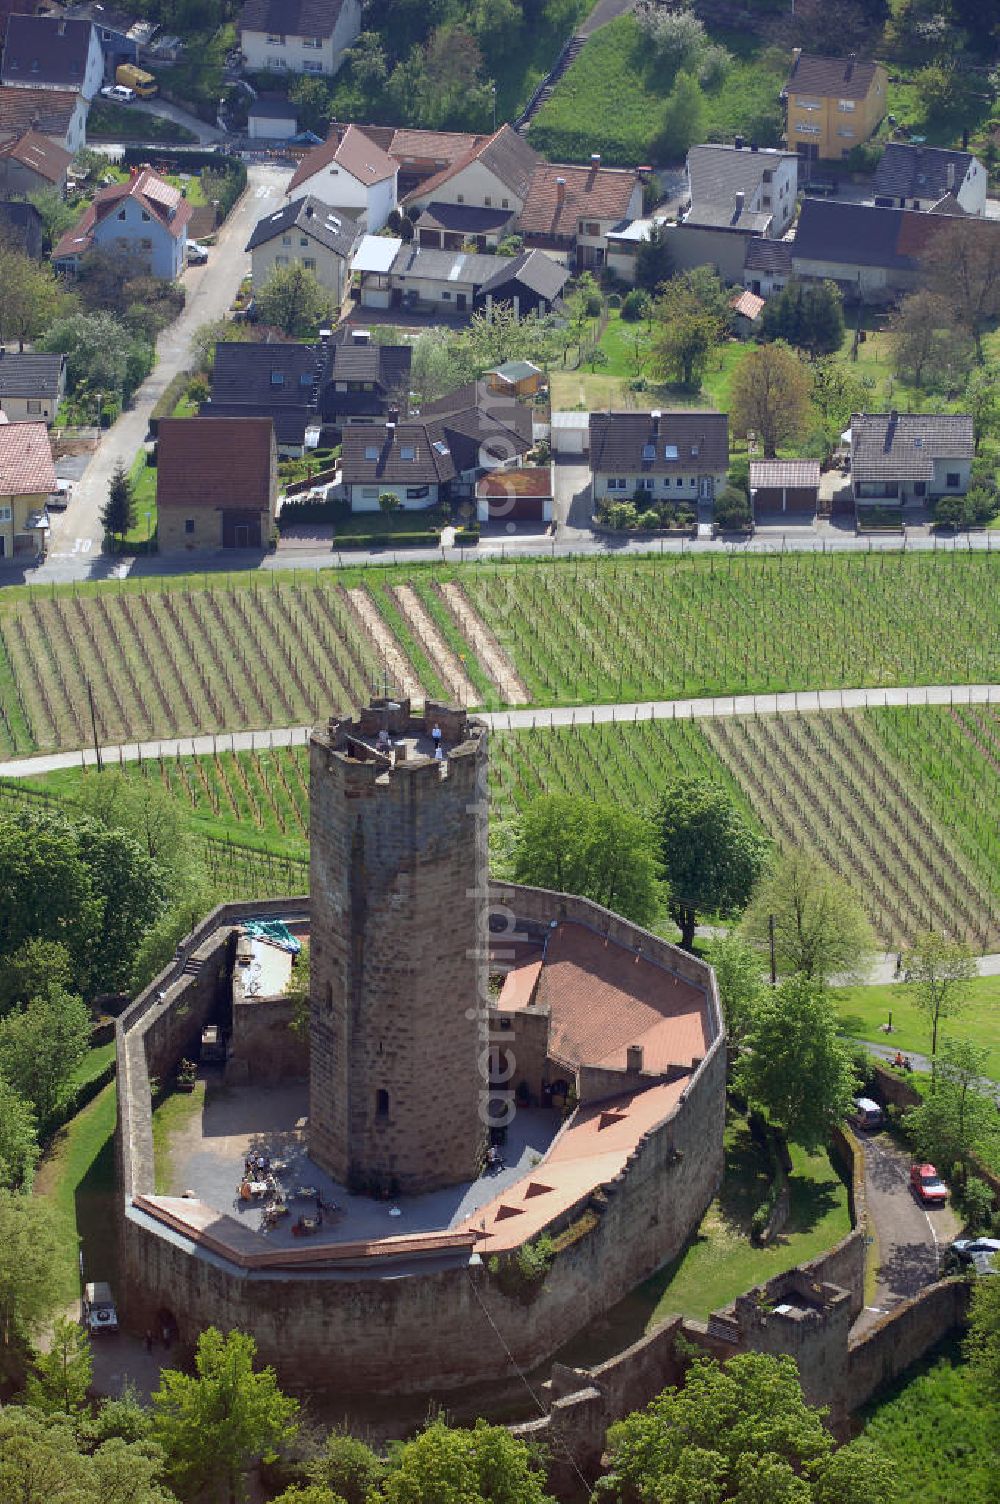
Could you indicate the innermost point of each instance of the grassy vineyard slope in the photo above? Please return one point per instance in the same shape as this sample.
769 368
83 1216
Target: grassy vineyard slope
203 654
892 800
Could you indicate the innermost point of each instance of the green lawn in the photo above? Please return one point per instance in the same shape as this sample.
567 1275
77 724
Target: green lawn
170 1114
118 122
864 1009
77 1176
143 478
938 1433
613 98
720 1262
521 70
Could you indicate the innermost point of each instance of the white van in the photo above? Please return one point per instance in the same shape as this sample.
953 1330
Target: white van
867 1113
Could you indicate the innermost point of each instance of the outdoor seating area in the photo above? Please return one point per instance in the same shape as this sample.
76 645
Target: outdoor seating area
271 1185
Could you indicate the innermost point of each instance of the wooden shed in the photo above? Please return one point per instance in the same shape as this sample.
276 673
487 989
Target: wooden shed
780 486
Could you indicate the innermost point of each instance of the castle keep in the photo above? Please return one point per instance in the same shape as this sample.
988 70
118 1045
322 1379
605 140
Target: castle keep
398 879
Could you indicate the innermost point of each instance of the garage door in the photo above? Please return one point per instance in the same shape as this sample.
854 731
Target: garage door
516 508
241 529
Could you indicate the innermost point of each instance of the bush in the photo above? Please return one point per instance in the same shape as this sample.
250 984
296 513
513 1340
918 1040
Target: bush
614 300
593 305
635 306
732 509
620 514
649 519
977 1203
980 506
949 511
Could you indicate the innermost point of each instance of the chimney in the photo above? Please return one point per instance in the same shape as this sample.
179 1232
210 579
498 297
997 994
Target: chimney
361 337
949 177
891 430
633 1058
309 211
796 54
560 190
656 415
741 199
390 432
595 159
394 413
852 58
738 142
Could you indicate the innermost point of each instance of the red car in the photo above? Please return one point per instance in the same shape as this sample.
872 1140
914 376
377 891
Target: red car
927 1185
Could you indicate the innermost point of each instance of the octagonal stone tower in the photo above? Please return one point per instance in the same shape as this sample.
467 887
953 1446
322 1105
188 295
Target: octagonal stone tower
398 974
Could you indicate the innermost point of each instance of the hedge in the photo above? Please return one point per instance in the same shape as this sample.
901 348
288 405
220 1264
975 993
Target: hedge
465 537
169 400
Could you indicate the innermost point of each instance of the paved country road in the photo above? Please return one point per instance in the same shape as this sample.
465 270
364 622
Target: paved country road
910 1237
77 535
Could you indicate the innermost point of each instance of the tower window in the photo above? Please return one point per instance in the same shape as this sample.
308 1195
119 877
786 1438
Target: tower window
381 1103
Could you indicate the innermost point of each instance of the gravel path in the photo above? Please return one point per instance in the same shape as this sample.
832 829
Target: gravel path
381 635
444 660
488 650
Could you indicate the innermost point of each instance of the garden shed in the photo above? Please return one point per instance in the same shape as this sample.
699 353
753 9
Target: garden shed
784 486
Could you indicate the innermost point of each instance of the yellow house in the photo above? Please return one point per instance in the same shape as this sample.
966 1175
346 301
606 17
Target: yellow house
832 104
27 480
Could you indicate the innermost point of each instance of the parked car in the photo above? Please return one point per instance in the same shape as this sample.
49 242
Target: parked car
867 1113
118 94
61 496
197 253
981 1255
927 1185
99 1313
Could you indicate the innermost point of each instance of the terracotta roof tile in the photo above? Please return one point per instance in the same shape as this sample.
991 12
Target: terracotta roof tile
48 111
351 149
506 154
215 462
45 157
26 467
165 203
587 193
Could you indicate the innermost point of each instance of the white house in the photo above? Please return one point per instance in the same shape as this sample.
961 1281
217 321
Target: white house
905 459
742 186
298 36
307 231
922 177
49 52
351 175
666 456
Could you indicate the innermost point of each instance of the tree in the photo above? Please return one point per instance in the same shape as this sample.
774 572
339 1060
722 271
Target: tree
45 889
740 980
484 1465
946 93
313 104
41 1463
29 295
118 514
740 1431
32 969
101 355
836 393
809 316
292 300
769 396
31 1250
683 338
927 350
819 927
982 1345
388 502
313 1493
18 1139
62 1375
41 1046
954 1116
683 118
794 1067
347 1467
982 402
938 971
652 258
216 1424
498 335
221 331
599 851
711 856
962 265
57 215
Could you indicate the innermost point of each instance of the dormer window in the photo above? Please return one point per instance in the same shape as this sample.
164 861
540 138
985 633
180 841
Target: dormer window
694 451
670 451
649 451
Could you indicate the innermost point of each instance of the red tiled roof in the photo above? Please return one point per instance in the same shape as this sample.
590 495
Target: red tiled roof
351 149
748 303
166 204
47 110
587 193
506 154
215 462
26 467
41 155
604 998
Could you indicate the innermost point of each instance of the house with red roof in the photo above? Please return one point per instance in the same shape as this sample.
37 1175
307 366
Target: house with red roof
30 162
216 483
145 220
351 174
27 480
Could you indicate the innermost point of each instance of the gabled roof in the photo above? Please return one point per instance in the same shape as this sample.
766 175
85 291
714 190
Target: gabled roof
533 270
30 375
46 50
388 366
26 467
831 77
559 196
464 219
505 154
447 437
313 218
920 172
293 18
351 150
372 453
681 441
47 111
864 235
165 204
718 173
764 255
214 462
37 152
278 375
904 446
464 267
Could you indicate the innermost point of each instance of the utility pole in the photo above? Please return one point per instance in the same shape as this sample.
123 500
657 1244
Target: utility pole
93 722
770 935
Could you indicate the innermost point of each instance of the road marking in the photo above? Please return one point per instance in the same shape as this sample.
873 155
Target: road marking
83 545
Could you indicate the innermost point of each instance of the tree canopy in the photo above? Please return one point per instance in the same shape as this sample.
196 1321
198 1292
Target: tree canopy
30 1251
293 300
484 1465
794 1067
689 322
820 928
770 397
711 856
599 851
809 316
41 1462
41 1046
938 971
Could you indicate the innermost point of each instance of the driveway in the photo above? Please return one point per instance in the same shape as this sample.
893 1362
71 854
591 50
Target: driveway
573 499
77 533
167 111
908 1236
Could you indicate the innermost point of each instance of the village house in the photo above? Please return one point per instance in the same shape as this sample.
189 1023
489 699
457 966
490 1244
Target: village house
767 265
901 460
27 480
276 380
667 456
216 483
31 385
145 220
298 36
57 114
832 104
930 177
117 31
52 68
570 210
421 154
495 173
351 175
872 254
361 381
743 187
305 232
30 163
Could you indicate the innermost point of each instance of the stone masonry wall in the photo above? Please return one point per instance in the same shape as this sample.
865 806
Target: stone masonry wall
263 1046
899 1339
